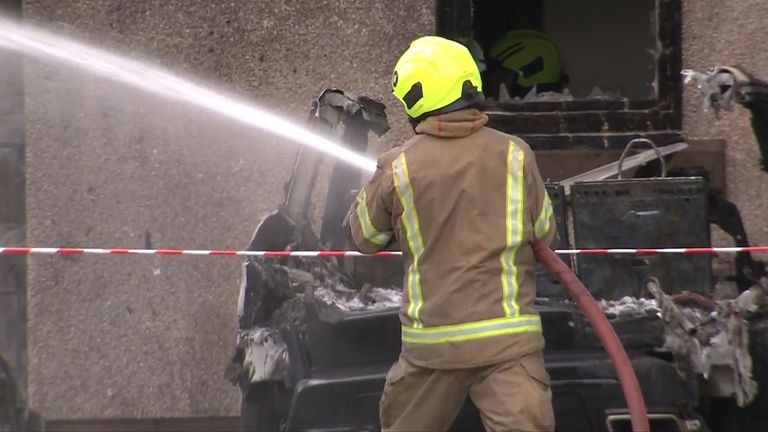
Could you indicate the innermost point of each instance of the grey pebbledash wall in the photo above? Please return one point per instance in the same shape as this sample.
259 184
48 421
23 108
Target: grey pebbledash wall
718 33
150 337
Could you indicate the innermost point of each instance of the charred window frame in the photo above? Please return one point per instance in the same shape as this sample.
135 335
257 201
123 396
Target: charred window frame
591 123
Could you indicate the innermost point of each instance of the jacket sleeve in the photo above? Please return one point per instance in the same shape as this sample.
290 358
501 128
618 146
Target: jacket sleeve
542 216
368 223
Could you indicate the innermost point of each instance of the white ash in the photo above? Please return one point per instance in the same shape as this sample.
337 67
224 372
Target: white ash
386 297
367 299
630 307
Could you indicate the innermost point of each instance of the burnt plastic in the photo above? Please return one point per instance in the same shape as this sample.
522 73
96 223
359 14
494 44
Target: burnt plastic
724 413
337 339
546 284
359 115
340 361
584 388
642 213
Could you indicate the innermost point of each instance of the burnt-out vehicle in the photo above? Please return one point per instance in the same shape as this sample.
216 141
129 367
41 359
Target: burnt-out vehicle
15 414
316 336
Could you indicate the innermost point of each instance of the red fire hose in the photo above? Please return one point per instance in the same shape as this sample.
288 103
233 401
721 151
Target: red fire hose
624 371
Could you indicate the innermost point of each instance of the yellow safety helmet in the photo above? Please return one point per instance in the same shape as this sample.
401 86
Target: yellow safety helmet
531 54
434 76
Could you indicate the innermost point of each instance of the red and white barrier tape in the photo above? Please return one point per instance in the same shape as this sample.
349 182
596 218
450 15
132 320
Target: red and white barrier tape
101 251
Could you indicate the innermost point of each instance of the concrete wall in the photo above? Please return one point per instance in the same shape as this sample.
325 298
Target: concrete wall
733 32
107 166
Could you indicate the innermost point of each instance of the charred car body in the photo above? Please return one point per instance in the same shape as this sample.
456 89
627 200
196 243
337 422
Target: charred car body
15 414
317 336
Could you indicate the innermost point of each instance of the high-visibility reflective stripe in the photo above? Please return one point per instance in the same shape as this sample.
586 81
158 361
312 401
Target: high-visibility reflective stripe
475 330
509 52
369 231
514 228
413 233
543 221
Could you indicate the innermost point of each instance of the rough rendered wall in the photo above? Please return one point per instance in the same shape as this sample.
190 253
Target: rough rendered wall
730 32
145 336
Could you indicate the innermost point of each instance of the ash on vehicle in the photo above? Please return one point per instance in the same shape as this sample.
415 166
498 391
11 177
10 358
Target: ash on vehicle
368 299
630 307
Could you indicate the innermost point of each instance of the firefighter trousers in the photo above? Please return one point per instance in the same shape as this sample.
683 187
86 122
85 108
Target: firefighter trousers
514 395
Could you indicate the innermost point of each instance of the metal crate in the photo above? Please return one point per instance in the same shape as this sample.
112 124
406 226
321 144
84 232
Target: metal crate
642 213
546 284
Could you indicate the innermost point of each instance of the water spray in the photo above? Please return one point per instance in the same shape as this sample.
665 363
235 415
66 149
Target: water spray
156 80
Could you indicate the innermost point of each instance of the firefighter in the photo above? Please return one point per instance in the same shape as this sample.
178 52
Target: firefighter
521 61
464 202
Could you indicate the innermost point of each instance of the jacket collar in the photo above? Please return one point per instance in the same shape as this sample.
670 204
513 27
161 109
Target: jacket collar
456 124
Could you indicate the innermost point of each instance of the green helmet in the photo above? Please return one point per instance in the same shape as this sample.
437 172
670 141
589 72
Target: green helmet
531 54
436 75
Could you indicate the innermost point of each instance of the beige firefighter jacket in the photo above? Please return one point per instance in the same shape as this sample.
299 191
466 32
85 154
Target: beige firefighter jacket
464 202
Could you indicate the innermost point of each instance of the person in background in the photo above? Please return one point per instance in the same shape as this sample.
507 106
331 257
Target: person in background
521 62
